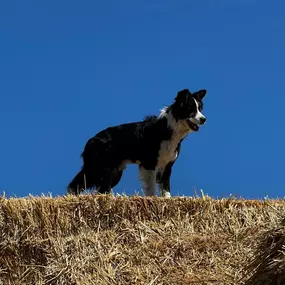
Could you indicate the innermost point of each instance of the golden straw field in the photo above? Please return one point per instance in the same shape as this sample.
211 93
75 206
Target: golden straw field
103 239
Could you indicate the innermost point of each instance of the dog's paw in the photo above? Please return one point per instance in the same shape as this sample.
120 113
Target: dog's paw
166 195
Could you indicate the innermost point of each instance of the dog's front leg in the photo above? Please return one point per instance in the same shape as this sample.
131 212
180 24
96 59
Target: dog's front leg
164 188
164 183
148 178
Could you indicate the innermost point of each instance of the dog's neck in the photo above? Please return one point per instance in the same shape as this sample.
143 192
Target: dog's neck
178 127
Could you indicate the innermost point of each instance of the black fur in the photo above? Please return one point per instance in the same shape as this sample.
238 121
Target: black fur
106 154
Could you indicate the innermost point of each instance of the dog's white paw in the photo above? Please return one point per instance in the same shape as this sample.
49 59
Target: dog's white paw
166 195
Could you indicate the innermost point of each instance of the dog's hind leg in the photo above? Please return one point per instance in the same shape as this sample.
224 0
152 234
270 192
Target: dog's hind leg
148 178
80 182
116 177
104 186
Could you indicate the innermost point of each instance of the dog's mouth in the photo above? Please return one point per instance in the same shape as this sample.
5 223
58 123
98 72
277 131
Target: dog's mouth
192 126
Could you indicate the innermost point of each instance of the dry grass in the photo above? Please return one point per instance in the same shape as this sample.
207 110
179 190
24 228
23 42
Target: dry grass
268 266
133 240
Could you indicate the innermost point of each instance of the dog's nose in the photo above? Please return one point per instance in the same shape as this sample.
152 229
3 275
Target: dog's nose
203 120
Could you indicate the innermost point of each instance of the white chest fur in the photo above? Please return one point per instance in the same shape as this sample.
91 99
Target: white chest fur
168 148
167 153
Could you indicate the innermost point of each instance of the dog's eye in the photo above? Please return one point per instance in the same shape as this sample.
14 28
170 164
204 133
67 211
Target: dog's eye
191 106
190 103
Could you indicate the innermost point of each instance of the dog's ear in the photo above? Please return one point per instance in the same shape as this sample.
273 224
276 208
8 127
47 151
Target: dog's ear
182 94
200 94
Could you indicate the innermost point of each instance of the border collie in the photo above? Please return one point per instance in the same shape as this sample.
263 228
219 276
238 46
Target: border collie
153 144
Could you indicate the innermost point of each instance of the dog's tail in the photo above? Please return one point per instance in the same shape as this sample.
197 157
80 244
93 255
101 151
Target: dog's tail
78 183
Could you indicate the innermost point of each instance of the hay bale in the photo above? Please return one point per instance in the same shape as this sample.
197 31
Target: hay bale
107 240
268 266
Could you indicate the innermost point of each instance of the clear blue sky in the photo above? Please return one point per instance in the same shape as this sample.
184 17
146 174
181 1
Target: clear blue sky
71 68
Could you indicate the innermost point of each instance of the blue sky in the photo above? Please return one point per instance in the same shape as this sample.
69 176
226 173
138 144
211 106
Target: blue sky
71 68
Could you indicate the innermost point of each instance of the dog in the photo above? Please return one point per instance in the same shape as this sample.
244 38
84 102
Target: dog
153 144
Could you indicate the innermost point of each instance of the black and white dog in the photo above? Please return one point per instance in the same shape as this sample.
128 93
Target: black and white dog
153 144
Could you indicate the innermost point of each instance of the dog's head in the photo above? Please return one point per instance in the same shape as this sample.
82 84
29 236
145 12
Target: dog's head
188 107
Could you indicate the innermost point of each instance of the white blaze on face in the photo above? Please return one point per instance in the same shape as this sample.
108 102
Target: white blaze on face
199 115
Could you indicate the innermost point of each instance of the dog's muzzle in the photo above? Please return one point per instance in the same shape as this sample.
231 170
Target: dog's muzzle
195 126
203 121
